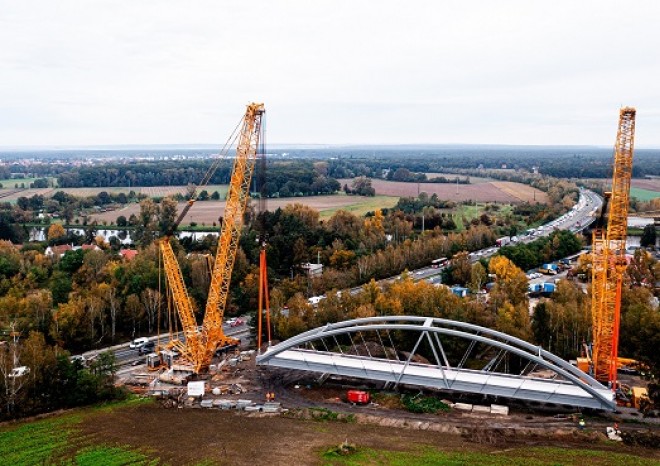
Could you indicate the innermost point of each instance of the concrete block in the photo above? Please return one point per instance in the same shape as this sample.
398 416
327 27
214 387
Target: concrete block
499 409
481 409
463 406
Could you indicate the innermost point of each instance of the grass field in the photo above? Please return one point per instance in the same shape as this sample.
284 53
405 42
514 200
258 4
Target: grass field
12 182
643 194
140 432
510 457
362 205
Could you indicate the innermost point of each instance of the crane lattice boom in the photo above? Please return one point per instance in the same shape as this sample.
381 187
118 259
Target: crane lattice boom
609 260
201 344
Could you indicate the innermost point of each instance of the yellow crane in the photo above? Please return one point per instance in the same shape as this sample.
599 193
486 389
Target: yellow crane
201 342
609 259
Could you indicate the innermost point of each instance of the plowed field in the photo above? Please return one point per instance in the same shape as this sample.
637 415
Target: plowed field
494 191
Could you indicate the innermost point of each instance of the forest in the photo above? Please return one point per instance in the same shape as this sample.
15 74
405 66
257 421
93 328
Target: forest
283 179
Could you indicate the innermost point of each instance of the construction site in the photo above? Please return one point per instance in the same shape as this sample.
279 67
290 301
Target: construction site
354 372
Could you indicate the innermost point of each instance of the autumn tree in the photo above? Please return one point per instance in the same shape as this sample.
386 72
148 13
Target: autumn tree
56 232
510 283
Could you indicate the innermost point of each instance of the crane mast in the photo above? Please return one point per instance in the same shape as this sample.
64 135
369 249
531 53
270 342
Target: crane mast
608 253
201 343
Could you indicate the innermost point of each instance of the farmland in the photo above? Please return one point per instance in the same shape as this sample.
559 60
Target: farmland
208 212
11 194
493 191
140 432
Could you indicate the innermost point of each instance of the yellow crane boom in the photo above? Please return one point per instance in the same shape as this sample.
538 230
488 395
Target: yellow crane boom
237 197
609 260
201 343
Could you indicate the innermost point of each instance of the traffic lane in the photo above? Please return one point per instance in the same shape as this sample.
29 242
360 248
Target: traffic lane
133 354
128 353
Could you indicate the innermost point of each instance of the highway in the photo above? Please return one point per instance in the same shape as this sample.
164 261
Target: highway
125 355
582 215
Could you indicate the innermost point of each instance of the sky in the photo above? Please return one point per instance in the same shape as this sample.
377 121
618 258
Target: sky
329 72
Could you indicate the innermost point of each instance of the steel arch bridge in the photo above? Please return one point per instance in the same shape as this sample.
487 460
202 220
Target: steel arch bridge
364 348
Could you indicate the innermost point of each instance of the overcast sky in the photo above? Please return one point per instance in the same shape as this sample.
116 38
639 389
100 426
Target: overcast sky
330 72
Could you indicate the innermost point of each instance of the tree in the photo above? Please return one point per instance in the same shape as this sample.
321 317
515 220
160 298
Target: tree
461 272
55 232
478 276
215 196
121 221
168 209
146 225
510 283
648 236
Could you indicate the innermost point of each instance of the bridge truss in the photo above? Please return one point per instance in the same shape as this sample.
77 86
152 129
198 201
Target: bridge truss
364 348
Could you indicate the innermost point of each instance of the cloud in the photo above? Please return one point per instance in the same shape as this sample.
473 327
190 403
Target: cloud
122 72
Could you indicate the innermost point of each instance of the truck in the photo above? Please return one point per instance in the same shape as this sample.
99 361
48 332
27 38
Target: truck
460 291
358 397
538 289
549 269
503 241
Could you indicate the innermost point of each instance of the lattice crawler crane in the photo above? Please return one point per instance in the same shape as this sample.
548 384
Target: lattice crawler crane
202 342
609 259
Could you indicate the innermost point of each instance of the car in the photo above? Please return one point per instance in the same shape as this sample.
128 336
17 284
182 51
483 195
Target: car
138 342
148 347
19 372
420 272
80 358
235 322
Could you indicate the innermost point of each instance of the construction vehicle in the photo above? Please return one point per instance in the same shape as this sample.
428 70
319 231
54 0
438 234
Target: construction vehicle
549 269
201 343
608 257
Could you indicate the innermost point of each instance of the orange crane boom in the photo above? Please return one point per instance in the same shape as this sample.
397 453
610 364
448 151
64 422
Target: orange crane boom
609 259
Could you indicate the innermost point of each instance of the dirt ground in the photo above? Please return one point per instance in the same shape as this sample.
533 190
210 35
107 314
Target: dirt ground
209 211
501 191
189 436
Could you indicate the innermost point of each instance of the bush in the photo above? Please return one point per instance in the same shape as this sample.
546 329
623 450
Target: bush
423 404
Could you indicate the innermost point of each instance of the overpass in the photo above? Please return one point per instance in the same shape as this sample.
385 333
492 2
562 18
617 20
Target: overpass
364 348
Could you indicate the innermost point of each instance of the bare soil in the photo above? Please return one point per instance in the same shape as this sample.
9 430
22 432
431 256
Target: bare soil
500 191
190 436
208 212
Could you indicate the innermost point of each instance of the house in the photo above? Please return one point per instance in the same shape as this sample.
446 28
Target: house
128 254
90 247
313 270
58 251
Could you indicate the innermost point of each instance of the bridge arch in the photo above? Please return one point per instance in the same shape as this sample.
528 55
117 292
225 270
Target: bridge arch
568 385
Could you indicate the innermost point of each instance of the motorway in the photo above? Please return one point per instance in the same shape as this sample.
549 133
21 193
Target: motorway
125 355
582 215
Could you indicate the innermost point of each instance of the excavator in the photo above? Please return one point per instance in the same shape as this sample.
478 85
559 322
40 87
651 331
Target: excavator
200 343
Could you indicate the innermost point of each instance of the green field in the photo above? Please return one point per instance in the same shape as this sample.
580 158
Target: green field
521 456
469 212
643 194
366 204
58 440
10 183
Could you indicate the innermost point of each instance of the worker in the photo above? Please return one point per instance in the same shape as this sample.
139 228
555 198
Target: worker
267 396
272 396
581 424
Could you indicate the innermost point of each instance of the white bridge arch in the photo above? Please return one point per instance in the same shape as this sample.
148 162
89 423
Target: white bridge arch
319 350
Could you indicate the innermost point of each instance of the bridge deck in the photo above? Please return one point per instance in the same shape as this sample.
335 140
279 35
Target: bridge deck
446 378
